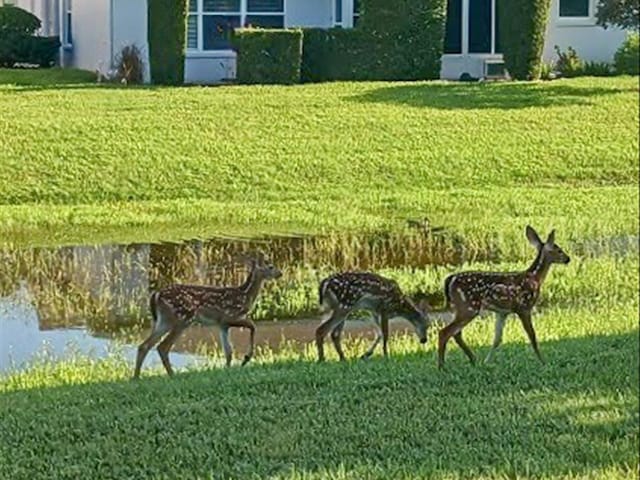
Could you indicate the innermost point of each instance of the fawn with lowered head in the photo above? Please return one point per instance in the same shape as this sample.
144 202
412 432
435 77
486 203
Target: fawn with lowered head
343 293
176 307
469 293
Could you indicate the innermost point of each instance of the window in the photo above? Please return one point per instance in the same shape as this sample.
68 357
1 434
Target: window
338 13
67 34
453 29
356 12
574 8
211 22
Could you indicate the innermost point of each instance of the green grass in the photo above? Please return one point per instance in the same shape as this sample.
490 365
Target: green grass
100 164
287 417
46 77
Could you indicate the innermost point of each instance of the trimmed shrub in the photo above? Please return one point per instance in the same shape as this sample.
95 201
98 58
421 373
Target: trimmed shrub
627 57
408 36
167 32
16 21
268 55
522 25
337 54
18 45
400 40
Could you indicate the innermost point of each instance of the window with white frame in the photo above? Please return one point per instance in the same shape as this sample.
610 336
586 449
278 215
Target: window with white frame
337 15
67 33
356 12
211 22
574 8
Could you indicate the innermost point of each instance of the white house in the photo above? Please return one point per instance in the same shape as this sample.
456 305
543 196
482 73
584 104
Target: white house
94 31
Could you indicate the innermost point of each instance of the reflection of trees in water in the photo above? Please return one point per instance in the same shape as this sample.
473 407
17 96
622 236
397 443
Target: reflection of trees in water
106 287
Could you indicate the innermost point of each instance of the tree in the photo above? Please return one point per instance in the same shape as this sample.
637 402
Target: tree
618 13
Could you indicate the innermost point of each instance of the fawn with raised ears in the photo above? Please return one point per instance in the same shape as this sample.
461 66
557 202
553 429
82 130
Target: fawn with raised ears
469 293
176 307
343 293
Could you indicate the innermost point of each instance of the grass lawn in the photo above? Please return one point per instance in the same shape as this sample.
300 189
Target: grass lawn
287 417
80 162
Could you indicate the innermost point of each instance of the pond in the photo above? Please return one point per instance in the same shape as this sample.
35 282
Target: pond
93 299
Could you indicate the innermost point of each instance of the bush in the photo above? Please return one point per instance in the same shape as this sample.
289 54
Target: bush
268 56
522 25
627 58
569 63
408 37
167 31
16 21
337 54
598 69
393 41
129 65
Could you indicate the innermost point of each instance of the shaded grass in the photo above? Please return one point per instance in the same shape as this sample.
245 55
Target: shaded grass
575 417
184 162
45 77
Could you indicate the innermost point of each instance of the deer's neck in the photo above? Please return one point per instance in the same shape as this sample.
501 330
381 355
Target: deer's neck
251 286
539 268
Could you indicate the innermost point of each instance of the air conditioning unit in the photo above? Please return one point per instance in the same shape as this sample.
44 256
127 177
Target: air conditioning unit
494 68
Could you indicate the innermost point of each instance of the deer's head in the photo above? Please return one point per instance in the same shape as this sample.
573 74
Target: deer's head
549 250
416 313
261 267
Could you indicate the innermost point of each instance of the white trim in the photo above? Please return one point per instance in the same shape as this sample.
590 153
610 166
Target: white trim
464 35
210 54
588 21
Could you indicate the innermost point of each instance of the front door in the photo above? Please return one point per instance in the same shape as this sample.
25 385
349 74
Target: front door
471 27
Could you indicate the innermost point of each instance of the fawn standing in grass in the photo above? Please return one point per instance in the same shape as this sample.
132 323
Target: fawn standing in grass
469 293
176 307
344 293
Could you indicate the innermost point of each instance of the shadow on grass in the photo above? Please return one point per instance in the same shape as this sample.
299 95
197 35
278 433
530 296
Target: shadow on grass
506 96
379 419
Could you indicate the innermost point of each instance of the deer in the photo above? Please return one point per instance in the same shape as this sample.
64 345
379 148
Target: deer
503 293
176 307
343 293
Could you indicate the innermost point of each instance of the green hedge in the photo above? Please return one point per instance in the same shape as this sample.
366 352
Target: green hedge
268 55
408 36
18 43
399 40
337 54
522 26
627 57
167 32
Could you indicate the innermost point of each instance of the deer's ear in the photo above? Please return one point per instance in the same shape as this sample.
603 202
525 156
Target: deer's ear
551 239
533 237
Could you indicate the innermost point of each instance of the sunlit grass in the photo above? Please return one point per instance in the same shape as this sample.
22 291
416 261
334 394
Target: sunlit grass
97 164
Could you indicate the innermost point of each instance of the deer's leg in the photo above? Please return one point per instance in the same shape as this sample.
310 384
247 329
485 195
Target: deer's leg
377 322
246 323
525 318
336 334
465 348
385 335
165 347
160 327
501 319
226 345
325 327
461 319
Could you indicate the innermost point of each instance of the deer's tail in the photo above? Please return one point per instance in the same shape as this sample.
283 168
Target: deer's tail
322 290
447 291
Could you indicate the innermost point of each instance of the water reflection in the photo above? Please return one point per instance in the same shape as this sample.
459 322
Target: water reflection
88 295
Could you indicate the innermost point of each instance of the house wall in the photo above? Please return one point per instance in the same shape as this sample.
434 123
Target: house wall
591 42
90 23
129 27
